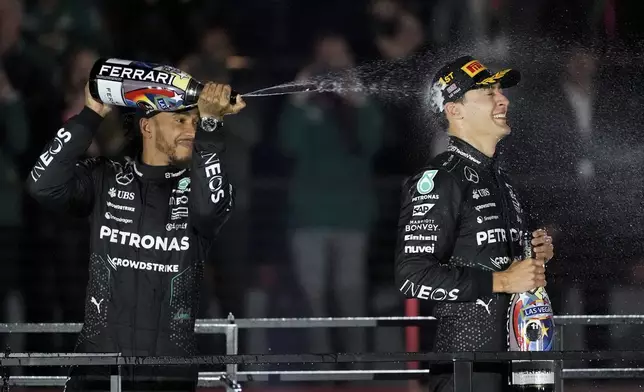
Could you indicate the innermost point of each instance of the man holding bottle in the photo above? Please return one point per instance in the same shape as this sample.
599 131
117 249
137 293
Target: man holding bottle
461 222
153 220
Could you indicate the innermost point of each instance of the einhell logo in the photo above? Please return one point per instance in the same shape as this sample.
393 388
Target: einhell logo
473 68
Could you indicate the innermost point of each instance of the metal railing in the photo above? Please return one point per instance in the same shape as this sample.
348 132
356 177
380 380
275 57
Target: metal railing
231 378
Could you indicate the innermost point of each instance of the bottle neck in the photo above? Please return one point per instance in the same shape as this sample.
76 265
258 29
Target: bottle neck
193 91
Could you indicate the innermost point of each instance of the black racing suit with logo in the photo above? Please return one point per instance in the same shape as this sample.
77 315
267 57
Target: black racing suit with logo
460 221
151 230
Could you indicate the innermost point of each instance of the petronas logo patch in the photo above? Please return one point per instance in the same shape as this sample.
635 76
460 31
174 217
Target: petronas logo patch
426 183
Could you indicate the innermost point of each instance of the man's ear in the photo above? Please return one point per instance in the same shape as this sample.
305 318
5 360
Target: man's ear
145 127
453 110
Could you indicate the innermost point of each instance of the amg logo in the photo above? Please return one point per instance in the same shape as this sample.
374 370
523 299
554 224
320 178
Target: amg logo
146 242
427 292
420 249
125 72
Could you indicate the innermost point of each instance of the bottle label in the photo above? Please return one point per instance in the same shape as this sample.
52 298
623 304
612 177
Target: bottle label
531 324
533 378
142 85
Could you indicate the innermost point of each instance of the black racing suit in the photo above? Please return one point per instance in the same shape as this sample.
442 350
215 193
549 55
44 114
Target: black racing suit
460 221
151 229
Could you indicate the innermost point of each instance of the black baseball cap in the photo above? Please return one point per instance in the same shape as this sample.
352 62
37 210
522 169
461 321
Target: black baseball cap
149 112
466 73
140 113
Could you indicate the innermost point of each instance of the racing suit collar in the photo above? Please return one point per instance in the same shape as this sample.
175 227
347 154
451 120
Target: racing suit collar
465 150
147 172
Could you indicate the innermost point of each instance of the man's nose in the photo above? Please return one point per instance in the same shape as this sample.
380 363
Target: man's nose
502 99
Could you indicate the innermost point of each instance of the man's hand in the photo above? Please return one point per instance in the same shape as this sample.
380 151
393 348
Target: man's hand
543 247
96 106
214 101
520 277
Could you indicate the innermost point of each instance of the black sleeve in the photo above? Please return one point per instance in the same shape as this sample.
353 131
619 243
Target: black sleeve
60 179
427 232
211 194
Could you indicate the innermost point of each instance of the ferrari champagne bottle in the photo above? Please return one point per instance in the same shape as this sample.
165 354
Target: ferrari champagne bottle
147 86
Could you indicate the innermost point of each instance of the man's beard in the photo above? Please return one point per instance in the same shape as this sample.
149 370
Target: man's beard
181 163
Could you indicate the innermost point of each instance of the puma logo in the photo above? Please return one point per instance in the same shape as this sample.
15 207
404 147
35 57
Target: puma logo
485 305
98 304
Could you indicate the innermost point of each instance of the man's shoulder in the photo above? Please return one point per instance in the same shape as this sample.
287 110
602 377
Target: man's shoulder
445 168
506 173
437 178
119 164
92 163
448 162
464 172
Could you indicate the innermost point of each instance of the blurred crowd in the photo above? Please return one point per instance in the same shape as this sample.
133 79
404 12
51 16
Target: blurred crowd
318 175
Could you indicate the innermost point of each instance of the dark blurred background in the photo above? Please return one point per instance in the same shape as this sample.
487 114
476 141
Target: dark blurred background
319 176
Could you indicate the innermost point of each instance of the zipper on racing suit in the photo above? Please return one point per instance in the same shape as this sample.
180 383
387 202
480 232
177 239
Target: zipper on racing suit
144 198
505 212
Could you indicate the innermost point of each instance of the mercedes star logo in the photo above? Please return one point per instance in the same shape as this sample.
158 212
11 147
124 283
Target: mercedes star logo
471 175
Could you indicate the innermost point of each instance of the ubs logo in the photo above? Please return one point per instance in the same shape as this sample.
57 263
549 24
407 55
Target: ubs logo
124 195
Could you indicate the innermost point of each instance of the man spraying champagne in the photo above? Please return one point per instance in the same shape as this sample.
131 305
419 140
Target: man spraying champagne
154 218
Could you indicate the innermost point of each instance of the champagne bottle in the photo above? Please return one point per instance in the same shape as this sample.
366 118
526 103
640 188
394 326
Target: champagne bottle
531 328
141 85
